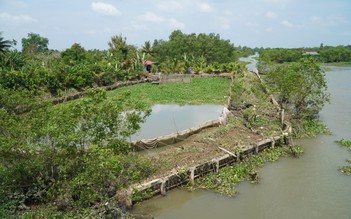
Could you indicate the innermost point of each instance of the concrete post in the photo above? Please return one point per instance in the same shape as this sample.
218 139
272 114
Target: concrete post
273 143
192 176
215 162
163 187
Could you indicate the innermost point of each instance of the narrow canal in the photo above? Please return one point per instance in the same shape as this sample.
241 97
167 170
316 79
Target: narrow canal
305 187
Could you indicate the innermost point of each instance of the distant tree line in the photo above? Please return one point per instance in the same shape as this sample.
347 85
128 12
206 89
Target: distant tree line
326 54
40 69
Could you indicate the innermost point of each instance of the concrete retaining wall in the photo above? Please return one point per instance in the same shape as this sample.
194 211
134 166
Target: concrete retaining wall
181 135
172 138
162 185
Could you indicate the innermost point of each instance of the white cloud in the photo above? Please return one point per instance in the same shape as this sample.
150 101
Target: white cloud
5 17
18 4
204 7
105 9
329 21
227 12
271 15
224 23
149 16
170 6
269 29
174 24
286 23
251 24
139 27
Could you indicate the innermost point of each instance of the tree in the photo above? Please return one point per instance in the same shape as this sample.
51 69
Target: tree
34 43
73 154
118 46
210 46
4 44
74 54
300 87
147 49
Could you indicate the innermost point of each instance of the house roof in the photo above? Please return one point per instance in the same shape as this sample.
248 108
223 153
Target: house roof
311 53
148 62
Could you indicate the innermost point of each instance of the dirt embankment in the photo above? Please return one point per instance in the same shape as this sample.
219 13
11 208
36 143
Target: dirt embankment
253 118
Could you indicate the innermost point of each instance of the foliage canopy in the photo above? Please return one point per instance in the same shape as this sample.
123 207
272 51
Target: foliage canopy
299 86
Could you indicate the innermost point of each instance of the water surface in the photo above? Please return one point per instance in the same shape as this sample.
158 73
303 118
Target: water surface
170 118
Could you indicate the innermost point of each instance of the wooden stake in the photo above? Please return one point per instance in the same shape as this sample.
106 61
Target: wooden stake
227 151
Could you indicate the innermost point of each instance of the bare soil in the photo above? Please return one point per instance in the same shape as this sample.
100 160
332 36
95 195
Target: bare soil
199 148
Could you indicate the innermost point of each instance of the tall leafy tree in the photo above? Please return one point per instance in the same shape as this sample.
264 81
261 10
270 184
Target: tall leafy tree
299 86
118 46
74 54
34 43
210 46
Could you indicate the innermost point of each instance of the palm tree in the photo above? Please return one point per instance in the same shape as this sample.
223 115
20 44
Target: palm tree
4 43
147 49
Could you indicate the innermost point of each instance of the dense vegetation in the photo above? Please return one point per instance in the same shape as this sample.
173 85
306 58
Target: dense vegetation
41 70
198 91
76 155
64 156
299 86
325 54
71 155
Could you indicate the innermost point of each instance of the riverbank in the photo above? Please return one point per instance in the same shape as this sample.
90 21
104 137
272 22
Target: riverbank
248 128
308 187
337 64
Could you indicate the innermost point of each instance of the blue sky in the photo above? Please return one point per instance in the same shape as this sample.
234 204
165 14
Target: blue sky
253 23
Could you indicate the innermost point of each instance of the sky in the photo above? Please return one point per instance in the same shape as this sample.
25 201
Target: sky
252 23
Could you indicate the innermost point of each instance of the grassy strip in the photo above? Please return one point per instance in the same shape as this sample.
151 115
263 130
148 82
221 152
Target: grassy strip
225 181
309 128
341 64
345 143
199 91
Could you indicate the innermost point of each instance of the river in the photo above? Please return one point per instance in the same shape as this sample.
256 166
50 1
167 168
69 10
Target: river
305 187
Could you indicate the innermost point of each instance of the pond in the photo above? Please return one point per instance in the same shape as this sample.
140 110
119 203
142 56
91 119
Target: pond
170 118
305 187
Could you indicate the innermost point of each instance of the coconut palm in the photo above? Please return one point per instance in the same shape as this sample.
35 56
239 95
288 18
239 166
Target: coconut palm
4 44
147 49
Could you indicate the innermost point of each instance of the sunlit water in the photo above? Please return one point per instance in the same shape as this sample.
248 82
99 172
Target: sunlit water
171 118
253 62
305 187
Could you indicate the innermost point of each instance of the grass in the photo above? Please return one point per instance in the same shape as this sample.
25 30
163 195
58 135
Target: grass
199 91
341 64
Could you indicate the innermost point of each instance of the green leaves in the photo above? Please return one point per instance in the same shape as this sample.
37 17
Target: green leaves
210 46
76 153
34 43
345 169
228 177
300 87
4 44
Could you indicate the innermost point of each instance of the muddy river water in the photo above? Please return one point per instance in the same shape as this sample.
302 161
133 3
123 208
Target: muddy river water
305 187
